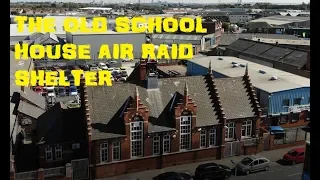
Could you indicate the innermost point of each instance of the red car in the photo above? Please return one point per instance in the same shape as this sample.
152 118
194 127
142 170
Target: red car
38 90
294 156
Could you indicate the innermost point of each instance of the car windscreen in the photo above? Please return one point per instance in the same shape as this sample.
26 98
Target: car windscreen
293 153
246 161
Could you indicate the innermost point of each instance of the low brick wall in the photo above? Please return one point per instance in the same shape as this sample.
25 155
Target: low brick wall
281 146
286 145
154 162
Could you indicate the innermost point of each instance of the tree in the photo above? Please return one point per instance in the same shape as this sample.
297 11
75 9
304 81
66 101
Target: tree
225 26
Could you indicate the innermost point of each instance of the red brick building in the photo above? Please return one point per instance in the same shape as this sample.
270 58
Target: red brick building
149 123
50 138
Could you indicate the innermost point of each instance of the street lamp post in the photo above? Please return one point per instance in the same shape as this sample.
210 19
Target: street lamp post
235 168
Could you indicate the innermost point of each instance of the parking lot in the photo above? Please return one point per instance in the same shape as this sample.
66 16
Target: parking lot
120 71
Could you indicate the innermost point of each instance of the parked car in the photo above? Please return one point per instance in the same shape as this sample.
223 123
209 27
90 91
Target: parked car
122 79
94 68
38 90
103 66
84 67
51 93
173 176
212 171
73 90
62 91
253 164
110 69
294 156
124 73
113 62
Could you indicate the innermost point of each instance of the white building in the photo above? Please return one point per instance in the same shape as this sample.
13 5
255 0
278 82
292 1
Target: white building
95 40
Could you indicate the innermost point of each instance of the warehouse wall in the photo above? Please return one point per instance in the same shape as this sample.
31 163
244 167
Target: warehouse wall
171 41
96 40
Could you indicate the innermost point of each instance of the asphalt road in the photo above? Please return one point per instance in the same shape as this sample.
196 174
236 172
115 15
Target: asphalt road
276 172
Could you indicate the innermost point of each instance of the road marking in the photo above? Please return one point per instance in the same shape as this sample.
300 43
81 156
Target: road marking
21 63
295 174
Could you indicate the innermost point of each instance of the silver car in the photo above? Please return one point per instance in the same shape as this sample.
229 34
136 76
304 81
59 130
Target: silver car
253 164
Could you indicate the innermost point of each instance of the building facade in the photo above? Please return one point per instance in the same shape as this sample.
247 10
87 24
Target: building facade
169 121
283 97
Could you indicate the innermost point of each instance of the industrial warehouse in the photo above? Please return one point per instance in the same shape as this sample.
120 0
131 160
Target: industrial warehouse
238 96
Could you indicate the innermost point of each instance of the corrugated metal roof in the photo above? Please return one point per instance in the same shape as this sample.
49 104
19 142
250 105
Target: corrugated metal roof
177 37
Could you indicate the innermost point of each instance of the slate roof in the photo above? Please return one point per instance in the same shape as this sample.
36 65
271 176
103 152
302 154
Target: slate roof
240 45
269 52
296 58
60 124
257 49
276 53
107 104
34 98
48 38
234 98
34 36
228 38
30 110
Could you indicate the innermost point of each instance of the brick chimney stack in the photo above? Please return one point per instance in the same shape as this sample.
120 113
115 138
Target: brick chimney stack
143 69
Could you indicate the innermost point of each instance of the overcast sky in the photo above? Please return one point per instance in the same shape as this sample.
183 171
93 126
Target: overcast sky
185 1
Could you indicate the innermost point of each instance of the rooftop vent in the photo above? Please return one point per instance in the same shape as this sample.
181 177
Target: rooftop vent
235 65
242 65
262 72
274 78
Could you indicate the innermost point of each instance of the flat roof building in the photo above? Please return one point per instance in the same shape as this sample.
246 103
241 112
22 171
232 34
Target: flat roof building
272 86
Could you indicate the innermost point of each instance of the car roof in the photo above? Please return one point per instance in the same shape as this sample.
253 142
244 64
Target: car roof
298 149
253 157
207 164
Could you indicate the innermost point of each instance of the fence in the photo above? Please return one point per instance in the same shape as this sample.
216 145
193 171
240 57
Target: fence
291 135
232 149
80 169
63 172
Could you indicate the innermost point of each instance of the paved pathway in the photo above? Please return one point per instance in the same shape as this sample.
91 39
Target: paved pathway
277 171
